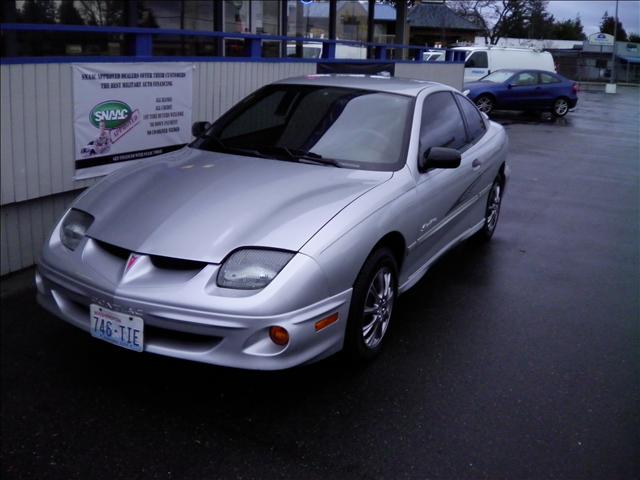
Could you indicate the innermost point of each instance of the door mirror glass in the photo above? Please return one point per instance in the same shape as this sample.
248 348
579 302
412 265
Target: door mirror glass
199 128
440 157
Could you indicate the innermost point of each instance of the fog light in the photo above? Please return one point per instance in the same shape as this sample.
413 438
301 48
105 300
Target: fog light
279 335
325 322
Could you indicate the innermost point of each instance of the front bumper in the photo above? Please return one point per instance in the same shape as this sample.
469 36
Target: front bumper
187 316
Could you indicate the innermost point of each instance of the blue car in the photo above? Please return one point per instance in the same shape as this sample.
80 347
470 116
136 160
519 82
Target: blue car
523 90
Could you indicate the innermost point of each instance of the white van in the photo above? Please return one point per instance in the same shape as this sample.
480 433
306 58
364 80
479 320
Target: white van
481 61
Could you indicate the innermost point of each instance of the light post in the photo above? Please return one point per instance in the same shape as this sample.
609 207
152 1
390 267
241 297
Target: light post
611 86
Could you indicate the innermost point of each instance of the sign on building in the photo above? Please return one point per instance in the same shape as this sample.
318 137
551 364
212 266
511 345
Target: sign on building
129 111
602 39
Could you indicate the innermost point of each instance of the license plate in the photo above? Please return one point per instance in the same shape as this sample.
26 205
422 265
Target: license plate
118 328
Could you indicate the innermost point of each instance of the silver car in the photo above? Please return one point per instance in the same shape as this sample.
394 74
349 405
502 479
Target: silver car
286 231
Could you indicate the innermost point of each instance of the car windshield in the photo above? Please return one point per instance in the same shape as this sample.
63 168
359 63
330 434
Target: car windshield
343 127
499 76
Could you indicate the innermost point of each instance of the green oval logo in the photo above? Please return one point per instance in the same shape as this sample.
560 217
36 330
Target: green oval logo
112 112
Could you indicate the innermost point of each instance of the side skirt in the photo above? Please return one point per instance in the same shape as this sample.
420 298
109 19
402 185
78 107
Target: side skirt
415 277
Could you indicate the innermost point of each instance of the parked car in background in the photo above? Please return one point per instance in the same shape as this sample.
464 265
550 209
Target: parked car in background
433 56
523 90
286 231
481 61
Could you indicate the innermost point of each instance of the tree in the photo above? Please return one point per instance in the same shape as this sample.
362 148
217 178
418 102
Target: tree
607 26
634 37
68 14
497 18
38 11
539 23
568 30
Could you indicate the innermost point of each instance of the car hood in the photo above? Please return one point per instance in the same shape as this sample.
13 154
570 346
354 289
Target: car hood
200 205
476 85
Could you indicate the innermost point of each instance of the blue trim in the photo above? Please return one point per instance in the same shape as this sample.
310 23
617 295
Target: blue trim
144 45
130 59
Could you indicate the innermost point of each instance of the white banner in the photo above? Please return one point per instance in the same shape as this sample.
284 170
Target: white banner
129 111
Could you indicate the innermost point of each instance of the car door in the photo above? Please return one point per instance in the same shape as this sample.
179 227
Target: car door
521 91
443 195
549 86
476 66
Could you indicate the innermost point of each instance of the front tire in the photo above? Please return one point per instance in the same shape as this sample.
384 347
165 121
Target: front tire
485 104
372 305
560 107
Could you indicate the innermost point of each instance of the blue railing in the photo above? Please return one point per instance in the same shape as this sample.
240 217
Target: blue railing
144 41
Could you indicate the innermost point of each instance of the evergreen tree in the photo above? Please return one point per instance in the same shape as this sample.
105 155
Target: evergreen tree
68 14
607 26
38 11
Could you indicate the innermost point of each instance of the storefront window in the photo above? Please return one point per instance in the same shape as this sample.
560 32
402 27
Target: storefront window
308 19
351 21
246 16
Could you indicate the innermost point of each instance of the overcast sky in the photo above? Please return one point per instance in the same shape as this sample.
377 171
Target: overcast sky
591 12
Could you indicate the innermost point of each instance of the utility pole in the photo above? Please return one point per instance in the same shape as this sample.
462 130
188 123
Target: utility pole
611 88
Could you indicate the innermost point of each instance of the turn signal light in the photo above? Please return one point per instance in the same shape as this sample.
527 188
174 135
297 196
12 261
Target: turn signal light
325 322
279 336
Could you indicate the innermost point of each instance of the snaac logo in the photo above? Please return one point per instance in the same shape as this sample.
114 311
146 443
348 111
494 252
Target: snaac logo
114 119
113 112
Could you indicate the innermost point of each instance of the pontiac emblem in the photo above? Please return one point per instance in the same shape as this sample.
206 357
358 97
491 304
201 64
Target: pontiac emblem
133 258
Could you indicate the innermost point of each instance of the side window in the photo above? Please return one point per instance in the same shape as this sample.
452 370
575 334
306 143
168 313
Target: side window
548 78
442 124
525 78
475 123
477 60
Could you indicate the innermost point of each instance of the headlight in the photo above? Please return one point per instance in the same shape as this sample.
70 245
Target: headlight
74 227
252 268
466 92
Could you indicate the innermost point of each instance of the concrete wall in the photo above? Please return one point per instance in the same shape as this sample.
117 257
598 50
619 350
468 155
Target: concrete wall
37 153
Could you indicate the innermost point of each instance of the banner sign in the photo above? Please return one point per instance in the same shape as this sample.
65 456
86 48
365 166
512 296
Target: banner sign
129 111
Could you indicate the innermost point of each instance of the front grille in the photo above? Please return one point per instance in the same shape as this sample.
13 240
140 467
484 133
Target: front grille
158 261
119 252
169 263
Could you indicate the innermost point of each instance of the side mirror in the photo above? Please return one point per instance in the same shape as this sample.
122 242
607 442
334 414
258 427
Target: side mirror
509 86
439 157
199 128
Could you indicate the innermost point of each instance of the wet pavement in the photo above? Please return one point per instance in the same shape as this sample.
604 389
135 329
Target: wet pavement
517 359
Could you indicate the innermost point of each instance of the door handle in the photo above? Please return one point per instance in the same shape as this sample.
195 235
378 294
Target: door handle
476 164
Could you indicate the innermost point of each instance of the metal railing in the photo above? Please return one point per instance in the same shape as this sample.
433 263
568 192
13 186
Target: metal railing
143 45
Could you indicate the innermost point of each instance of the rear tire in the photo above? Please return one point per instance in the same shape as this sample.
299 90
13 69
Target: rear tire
560 107
375 293
492 211
485 104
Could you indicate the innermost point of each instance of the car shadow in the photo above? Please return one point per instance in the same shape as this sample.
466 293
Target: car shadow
507 117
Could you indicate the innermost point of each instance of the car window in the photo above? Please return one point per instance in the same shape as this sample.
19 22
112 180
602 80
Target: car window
355 128
477 60
442 124
475 124
524 79
548 78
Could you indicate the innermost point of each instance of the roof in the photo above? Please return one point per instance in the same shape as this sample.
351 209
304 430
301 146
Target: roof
379 83
381 12
438 16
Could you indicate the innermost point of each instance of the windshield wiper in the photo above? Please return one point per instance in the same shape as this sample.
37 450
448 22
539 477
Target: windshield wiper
298 155
229 149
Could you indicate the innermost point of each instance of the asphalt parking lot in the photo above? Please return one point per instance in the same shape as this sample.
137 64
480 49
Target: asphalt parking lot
518 359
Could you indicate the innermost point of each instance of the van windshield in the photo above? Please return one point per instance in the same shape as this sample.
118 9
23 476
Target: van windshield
499 76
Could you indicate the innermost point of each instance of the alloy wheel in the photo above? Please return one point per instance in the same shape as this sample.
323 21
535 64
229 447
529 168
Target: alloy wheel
561 107
493 207
378 307
485 105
